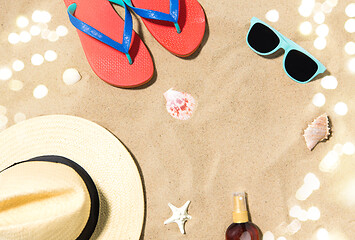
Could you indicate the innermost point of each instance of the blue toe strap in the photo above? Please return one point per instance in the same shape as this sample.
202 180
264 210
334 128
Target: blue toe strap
173 16
127 31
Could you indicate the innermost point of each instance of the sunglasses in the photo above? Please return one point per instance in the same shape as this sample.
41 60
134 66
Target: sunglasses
299 65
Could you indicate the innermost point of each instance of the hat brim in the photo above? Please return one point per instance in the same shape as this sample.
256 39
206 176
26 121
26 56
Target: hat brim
99 152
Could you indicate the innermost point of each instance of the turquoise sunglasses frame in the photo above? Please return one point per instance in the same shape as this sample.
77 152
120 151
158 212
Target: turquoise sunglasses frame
287 45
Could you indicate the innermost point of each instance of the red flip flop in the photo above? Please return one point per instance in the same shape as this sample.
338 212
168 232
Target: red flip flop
114 51
178 25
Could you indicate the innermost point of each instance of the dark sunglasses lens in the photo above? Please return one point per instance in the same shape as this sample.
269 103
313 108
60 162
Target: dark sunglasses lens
262 39
300 66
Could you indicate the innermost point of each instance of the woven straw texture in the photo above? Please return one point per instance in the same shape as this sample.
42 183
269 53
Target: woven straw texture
100 153
42 201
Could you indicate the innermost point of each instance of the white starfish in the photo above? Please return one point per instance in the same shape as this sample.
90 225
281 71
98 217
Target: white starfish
180 216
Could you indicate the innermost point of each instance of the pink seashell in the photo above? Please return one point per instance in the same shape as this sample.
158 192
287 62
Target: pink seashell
317 131
180 105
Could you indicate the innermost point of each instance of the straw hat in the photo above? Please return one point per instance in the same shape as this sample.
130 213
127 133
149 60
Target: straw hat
77 145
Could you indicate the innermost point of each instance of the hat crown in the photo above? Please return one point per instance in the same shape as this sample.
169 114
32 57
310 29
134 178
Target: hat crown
42 200
106 166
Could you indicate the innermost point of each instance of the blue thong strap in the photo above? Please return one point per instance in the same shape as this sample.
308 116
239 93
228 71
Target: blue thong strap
173 16
127 31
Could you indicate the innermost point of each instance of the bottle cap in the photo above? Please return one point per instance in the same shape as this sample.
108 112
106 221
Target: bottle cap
240 212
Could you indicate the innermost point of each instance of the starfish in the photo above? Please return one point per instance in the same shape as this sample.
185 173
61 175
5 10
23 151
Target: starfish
180 216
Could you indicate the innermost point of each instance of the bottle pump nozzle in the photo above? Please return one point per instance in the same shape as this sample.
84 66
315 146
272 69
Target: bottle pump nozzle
240 212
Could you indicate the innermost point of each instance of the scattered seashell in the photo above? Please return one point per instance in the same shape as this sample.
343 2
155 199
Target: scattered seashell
317 131
180 216
71 76
180 105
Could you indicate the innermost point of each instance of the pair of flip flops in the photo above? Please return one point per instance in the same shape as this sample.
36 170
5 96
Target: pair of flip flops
113 49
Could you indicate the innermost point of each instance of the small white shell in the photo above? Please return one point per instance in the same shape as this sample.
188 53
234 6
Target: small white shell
317 131
71 76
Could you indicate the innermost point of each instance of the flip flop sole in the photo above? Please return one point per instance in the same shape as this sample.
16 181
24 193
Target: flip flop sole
191 21
108 63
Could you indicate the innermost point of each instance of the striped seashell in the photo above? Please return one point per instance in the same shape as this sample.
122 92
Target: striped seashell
317 131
